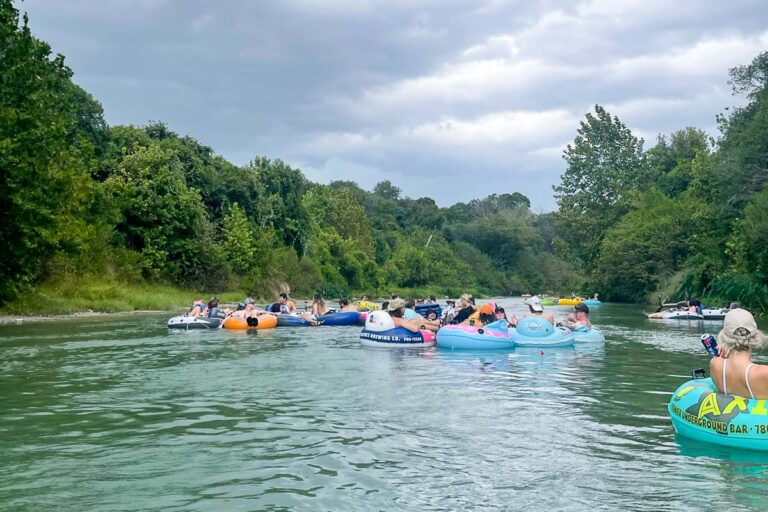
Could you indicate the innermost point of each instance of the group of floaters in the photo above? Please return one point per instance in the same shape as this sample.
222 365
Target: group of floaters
565 301
469 326
691 309
730 408
283 313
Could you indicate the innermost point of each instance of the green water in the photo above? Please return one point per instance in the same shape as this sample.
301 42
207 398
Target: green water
119 414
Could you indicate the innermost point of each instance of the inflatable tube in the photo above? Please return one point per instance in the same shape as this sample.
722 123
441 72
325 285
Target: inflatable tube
682 314
699 412
535 331
399 337
569 302
592 302
292 321
346 318
194 322
548 302
468 337
588 336
380 331
260 322
425 309
714 313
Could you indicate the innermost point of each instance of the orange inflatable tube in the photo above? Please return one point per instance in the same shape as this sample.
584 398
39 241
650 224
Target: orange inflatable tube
260 322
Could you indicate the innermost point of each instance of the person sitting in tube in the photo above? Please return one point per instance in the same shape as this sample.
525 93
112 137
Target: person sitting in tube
250 310
483 316
345 306
396 309
410 314
448 311
537 310
579 319
286 304
365 304
198 309
733 370
465 308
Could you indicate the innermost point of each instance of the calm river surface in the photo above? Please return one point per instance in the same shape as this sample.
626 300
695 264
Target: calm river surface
117 413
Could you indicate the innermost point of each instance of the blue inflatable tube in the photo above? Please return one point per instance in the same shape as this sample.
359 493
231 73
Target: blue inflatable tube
468 337
538 332
291 321
699 412
588 336
398 337
347 318
592 302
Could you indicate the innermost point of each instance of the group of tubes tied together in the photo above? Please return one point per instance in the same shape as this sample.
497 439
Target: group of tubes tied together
467 326
283 313
398 323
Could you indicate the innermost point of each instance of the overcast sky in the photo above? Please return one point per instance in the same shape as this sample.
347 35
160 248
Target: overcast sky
451 99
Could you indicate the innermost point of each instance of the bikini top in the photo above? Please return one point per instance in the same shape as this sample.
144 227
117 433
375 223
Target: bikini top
746 378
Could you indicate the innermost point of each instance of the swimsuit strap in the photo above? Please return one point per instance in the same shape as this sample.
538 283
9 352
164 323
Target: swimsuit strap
746 379
725 384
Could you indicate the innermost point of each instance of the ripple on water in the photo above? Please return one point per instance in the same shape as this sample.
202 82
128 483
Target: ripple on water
119 414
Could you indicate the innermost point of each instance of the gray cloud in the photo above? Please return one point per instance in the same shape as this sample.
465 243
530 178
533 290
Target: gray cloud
452 99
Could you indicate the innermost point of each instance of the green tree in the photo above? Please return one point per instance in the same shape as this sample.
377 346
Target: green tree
44 186
647 244
605 164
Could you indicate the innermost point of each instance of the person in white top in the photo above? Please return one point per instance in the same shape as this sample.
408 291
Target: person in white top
733 371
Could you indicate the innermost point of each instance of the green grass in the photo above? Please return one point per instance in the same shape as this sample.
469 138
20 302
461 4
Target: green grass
74 295
105 294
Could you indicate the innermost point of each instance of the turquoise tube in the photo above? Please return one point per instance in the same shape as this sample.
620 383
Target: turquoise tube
699 412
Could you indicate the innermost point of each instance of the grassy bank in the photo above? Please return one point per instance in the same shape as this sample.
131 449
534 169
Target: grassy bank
75 295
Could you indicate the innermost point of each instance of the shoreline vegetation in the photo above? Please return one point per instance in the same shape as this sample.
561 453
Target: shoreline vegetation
140 217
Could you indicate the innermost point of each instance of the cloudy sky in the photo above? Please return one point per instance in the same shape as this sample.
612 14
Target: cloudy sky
452 99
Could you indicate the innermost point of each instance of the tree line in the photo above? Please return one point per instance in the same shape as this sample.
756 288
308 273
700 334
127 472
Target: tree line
145 204
142 204
686 218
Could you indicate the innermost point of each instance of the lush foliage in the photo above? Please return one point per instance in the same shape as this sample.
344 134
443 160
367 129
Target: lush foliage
686 218
140 206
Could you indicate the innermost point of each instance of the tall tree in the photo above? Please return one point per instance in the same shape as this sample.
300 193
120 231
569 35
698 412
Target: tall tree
605 163
44 186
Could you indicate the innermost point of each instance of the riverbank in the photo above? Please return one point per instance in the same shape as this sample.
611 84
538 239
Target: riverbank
93 296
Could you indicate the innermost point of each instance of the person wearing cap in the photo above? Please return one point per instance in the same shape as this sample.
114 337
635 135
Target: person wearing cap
536 309
396 309
579 319
448 311
484 315
466 308
733 371
250 310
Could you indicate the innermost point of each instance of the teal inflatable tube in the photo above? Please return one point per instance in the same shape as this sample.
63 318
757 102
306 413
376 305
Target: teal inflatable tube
538 332
699 412
592 302
588 336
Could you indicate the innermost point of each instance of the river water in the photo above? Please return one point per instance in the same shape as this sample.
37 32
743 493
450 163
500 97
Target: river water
118 414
